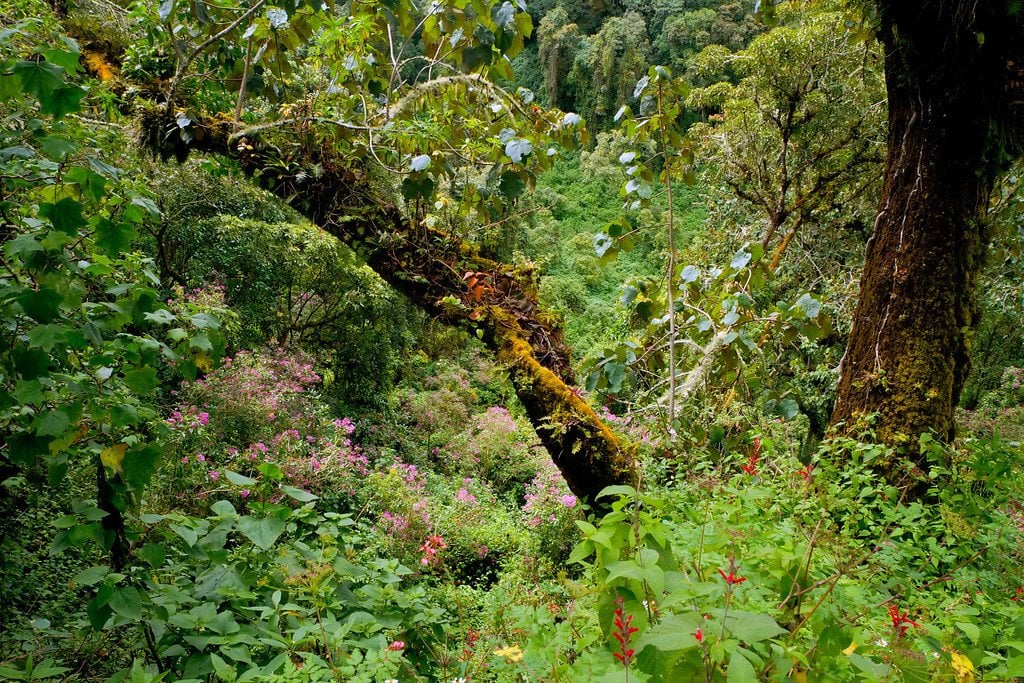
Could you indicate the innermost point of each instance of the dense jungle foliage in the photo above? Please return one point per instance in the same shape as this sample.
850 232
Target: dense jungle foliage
475 340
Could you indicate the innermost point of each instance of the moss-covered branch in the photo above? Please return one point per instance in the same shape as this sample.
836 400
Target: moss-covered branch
439 272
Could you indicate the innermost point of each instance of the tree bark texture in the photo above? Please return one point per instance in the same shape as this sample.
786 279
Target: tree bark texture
952 119
445 276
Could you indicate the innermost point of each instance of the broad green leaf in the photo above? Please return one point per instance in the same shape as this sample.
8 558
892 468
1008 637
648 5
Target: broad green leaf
42 305
750 627
65 59
188 534
46 337
52 423
65 215
740 670
22 245
673 633
57 147
126 602
139 466
263 531
238 479
114 237
142 380
62 101
91 576
298 494
39 78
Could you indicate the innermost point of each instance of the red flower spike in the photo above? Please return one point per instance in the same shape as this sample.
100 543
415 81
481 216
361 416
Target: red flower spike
901 621
731 578
623 633
699 635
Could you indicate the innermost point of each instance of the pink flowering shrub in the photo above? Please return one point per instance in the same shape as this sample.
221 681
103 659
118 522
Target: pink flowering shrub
256 424
551 511
251 398
497 449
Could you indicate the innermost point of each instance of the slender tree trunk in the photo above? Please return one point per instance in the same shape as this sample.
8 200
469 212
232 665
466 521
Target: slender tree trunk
908 353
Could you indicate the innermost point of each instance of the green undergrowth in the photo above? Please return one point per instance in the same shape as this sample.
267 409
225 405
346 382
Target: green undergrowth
579 202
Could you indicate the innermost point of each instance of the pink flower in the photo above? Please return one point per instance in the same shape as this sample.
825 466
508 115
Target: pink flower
568 501
184 460
204 418
214 475
397 646
201 458
245 493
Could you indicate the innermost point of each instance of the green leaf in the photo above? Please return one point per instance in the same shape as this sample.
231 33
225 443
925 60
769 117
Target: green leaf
615 373
874 669
139 465
123 415
114 238
39 79
65 215
142 380
22 245
92 575
298 494
52 423
750 627
788 408
673 633
42 305
62 101
146 203
224 671
153 553
263 531
28 392
47 336
23 449
223 508
740 670
92 184
65 59
187 534
127 602
238 479
10 86
57 147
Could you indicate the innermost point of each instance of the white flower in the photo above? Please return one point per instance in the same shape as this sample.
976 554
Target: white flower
881 642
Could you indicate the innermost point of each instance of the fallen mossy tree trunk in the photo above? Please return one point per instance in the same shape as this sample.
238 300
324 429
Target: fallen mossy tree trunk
442 274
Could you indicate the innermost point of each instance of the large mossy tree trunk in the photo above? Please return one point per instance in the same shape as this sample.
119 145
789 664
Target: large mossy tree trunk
952 116
442 274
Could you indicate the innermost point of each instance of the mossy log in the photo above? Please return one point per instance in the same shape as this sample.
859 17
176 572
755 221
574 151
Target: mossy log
439 272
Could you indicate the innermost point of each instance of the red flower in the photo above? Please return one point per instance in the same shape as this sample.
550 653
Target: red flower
623 633
699 635
901 621
731 577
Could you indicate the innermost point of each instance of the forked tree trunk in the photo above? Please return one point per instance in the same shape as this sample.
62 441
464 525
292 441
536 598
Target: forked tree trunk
908 353
448 278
